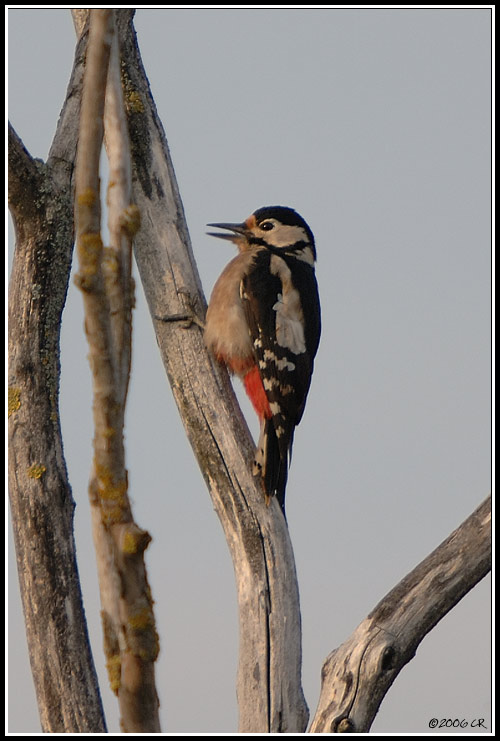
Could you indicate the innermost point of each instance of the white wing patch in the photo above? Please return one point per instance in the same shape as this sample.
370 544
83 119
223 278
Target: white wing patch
288 308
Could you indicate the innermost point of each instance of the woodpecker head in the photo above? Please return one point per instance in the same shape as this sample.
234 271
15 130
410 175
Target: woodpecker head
277 228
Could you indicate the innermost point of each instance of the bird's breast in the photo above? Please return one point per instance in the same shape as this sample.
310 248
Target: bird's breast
226 329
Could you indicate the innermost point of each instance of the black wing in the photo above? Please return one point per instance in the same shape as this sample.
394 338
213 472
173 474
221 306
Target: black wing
284 351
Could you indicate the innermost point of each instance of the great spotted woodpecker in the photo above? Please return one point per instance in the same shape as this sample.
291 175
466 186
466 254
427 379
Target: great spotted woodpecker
263 322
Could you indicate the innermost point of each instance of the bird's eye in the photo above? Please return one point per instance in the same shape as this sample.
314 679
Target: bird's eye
266 226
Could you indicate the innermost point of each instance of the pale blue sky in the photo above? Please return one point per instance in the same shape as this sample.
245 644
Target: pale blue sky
375 125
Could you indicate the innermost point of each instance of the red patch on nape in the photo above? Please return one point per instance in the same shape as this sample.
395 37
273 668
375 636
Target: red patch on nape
256 393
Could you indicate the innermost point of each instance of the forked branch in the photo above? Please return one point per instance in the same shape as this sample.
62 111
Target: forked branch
357 675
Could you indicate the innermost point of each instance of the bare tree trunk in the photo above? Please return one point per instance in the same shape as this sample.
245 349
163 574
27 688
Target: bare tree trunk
357 675
269 675
40 495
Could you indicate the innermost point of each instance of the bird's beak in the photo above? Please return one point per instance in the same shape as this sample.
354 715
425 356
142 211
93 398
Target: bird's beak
238 231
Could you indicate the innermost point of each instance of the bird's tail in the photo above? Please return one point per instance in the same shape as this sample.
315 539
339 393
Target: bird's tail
271 463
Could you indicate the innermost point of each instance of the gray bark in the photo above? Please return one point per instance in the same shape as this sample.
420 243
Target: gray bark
358 674
130 637
269 685
40 201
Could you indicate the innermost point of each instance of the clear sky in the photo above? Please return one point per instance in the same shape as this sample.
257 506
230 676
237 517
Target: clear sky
374 124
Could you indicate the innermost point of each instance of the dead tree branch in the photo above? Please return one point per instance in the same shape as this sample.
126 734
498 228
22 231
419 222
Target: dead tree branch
269 675
40 494
123 221
358 674
269 684
130 638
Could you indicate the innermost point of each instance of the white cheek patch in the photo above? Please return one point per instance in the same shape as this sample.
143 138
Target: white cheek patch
286 235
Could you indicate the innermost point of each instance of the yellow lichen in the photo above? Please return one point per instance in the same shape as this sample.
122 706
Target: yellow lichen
108 432
142 620
111 515
135 541
36 471
142 638
114 667
110 261
112 496
89 253
112 492
89 249
134 102
87 197
130 220
130 543
14 400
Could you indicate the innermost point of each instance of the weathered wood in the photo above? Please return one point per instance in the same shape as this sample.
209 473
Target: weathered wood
40 494
357 675
269 686
130 638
